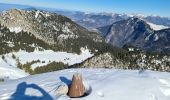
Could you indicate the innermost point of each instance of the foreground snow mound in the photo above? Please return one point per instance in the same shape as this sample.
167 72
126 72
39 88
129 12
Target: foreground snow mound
106 84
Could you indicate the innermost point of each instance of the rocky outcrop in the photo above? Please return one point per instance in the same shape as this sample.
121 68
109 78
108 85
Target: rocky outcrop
77 88
105 60
134 59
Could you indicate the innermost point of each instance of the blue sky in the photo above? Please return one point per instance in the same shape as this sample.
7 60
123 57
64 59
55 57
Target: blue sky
148 7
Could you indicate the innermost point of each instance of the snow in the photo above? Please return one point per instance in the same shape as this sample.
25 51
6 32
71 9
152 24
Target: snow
55 28
100 93
131 49
49 55
15 29
37 13
10 44
156 37
39 64
136 15
46 14
157 27
45 58
12 73
106 84
147 38
156 61
7 70
65 29
89 20
66 36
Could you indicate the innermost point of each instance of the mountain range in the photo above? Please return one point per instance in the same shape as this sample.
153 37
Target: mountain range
92 21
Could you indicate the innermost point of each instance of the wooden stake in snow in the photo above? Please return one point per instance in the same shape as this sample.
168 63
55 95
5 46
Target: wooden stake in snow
77 89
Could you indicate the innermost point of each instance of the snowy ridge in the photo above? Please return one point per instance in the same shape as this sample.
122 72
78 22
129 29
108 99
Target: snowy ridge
106 84
157 27
39 12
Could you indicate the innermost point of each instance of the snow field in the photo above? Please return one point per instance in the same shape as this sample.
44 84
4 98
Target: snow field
106 84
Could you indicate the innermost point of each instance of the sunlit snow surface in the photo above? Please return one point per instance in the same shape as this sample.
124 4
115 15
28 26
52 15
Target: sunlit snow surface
107 84
15 29
8 66
157 27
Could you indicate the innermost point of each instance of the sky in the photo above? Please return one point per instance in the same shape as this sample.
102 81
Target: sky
146 7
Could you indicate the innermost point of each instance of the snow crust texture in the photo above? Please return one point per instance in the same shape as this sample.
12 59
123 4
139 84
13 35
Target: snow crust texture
106 84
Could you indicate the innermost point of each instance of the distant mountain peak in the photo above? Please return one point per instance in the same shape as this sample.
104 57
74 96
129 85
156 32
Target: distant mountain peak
151 25
139 33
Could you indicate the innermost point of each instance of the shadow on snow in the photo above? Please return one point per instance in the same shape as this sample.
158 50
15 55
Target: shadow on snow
20 93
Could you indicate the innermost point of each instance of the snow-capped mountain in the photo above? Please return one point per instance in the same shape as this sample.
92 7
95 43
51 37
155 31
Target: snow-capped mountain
106 84
139 33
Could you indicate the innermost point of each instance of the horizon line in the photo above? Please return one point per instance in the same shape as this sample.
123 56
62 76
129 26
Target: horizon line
97 12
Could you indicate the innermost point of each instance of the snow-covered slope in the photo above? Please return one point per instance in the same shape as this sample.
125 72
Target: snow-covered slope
7 73
107 84
8 65
157 27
